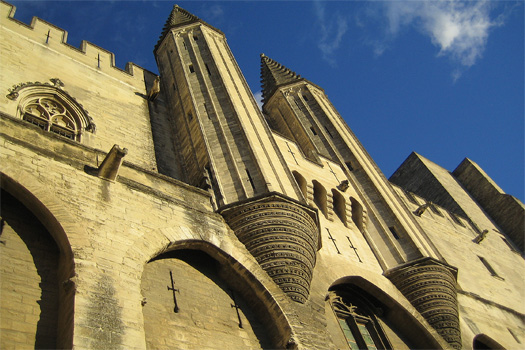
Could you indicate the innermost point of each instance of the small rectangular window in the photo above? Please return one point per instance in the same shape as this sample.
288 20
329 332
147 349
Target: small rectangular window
509 245
250 179
411 197
328 131
192 70
515 336
190 116
184 44
195 37
207 68
313 131
305 98
394 232
456 219
435 210
489 267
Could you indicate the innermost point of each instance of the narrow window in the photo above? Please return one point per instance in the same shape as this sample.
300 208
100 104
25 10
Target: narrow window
509 245
301 181
250 179
328 131
195 37
349 165
515 336
339 206
206 110
357 214
207 68
489 267
190 116
435 210
394 232
313 131
184 44
456 219
191 68
411 197
320 198
305 98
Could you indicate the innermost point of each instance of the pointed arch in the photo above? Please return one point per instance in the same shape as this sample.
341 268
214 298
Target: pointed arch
30 224
231 280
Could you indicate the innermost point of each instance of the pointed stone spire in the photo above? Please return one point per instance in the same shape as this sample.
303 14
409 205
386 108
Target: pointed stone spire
273 75
179 17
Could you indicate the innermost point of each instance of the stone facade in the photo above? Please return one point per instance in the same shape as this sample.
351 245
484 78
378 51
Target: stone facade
145 213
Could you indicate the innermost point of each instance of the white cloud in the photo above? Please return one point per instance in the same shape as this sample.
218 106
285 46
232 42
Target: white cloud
458 28
332 31
258 99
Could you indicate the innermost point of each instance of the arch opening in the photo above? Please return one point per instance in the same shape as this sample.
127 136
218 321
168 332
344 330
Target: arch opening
36 268
395 326
215 298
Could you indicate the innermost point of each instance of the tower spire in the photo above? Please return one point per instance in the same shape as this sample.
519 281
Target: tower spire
179 17
273 75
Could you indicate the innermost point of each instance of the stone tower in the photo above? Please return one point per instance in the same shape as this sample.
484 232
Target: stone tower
301 111
224 141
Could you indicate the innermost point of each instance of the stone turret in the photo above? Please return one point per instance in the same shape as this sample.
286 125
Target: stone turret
222 133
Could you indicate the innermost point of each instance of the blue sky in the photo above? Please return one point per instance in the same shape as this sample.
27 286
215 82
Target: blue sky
442 78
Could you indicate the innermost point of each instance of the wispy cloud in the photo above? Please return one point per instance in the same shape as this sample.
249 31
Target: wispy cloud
458 28
332 30
258 99
214 13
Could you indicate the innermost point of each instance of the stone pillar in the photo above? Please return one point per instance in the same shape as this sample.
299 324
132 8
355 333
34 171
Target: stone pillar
430 286
282 235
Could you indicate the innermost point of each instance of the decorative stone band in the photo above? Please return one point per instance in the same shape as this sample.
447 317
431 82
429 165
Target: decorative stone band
430 286
282 235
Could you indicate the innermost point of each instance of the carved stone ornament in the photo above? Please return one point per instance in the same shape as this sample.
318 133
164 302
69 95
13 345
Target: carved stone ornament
340 306
282 235
430 286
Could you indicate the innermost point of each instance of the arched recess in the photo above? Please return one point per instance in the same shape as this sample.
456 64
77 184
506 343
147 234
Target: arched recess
484 342
202 312
388 323
320 197
357 213
301 182
339 206
36 267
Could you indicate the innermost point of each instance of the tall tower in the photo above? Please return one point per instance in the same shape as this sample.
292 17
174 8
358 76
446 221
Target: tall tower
301 111
223 137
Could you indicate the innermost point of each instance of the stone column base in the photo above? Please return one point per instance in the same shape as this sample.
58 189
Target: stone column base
430 286
282 235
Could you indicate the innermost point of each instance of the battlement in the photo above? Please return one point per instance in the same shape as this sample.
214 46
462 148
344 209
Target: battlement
44 33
